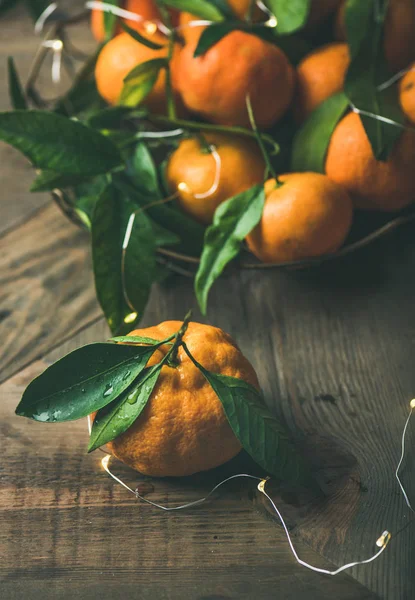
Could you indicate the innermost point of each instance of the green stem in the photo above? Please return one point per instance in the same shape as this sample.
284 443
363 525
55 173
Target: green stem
173 352
171 105
195 126
259 138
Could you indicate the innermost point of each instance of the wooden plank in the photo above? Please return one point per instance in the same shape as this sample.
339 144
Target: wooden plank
46 287
333 355
67 530
16 174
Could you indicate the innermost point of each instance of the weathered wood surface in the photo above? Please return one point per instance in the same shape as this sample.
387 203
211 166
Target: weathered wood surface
333 348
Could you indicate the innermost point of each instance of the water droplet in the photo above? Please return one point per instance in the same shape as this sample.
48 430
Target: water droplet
126 375
108 390
83 390
44 417
132 398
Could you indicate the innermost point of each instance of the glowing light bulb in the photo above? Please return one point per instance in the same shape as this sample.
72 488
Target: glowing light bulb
183 187
130 318
383 540
272 22
150 27
105 461
412 403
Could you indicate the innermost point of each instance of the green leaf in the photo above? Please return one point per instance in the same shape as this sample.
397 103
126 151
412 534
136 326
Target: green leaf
58 144
135 339
140 81
312 140
368 69
110 20
110 117
17 96
258 431
144 172
190 232
83 381
80 98
139 38
112 420
83 94
232 222
86 195
123 276
50 180
291 15
204 9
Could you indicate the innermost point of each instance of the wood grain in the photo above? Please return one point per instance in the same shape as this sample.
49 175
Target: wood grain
334 350
67 530
46 287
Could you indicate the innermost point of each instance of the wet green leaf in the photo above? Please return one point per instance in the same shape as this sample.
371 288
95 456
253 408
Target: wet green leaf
83 381
232 222
312 140
17 95
115 418
56 143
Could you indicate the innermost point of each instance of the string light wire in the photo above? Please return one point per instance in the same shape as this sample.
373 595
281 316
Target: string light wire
381 542
44 16
405 495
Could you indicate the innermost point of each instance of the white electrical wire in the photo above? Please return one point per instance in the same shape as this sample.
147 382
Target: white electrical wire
43 17
405 495
381 542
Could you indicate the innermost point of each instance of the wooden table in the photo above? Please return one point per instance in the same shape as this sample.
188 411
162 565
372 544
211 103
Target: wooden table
334 351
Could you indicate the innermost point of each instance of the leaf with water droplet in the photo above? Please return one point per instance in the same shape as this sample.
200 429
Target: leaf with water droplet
83 381
117 417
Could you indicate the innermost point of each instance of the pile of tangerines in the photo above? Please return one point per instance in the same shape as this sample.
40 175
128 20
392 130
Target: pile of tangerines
305 214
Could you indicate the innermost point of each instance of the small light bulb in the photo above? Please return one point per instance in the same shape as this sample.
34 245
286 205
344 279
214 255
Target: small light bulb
183 187
272 22
261 485
105 461
383 540
150 27
57 45
130 318
412 403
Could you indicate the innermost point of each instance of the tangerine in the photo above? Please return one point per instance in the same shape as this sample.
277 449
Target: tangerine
407 94
373 185
215 85
183 428
202 180
307 215
118 57
319 75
